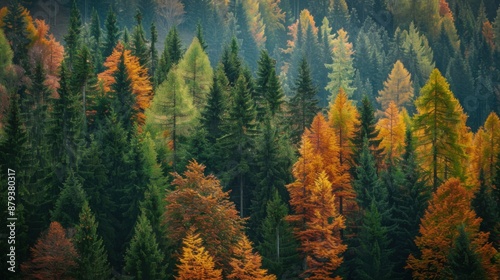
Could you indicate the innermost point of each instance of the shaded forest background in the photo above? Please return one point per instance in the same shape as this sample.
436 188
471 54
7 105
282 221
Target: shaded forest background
252 139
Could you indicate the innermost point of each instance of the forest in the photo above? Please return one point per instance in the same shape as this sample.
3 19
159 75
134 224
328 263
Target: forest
250 139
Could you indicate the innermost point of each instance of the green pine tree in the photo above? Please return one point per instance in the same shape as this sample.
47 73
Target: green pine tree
366 184
15 28
232 61
69 203
97 43
213 114
170 56
93 261
153 52
143 259
486 208
199 35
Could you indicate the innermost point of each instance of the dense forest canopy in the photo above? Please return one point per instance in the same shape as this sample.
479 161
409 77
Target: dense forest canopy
250 139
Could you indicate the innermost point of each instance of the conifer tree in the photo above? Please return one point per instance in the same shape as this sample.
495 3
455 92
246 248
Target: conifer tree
195 262
139 43
373 255
152 206
465 262
436 127
16 30
170 56
392 129
397 88
197 73
153 53
213 114
342 71
303 105
366 184
199 35
69 203
278 247
93 261
486 208
143 259
123 99
112 33
72 39
97 43
231 61
245 264
82 80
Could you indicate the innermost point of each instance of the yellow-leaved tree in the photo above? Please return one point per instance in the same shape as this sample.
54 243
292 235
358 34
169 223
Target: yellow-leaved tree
392 129
245 264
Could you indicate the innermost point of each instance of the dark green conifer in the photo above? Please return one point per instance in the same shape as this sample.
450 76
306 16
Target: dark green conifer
73 39
464 262
69 203
112 33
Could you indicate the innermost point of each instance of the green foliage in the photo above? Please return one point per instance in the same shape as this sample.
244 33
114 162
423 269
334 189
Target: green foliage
213 114
231 61
69 203
93 261
16 32
7 54
73 39
464 261
123 103
112 33
139 43
143 259
486 208
366 184
170 56
367 128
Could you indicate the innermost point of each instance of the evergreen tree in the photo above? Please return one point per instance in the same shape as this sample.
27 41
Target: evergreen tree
232 62
212 115
83 81
143 259
69 203
268 94
123 103
112 33
153 52
170 56
373 256
139 43
152 207
366 184
199 35
465 262
303 105
97 43
278 247
238 140
73 39
17 33
93 261
486 208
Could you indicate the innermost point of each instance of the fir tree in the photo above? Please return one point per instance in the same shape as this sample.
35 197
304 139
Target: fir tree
366 183
69 203
139 43
17 33
153 52
112 33
93 261
231 61
199 35
124 99
464 261
143 259
486 208
170 56
73 39
213 114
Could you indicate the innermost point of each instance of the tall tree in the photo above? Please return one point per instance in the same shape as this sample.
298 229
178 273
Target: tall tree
19 30
93 261
398 88
143 259
342 70
436 127
245 264
53 255
196 262
465 262
303 105
197 73
97 43
139 43
486 207
69 203
112 33
448 209
171 55
73 39
392 129
213 114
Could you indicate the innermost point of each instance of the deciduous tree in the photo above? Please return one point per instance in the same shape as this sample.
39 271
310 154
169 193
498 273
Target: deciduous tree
398 88
245 264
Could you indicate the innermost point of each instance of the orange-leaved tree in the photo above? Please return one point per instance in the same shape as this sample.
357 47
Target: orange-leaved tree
392 129
245 264
398 88
199 201
138 75
321 240
195 262
343 118
449 208
52 257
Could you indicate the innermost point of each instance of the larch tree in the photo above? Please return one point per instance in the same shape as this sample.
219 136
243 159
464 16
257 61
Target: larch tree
392 129
138 75
342 70
198 200
321 242
448 209
196 263
197 73
343 118
93 261
398 88
246 264
436 128
53 256
491 146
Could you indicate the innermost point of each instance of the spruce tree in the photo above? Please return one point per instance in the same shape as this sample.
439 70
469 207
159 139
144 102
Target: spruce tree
16 31
486 208
232 61
199 35
73 39
69 203
112 33
212 115
97 43
153 52
366 184
152 206
170 56
367 128
123 103
83 81
303 105
464 261
143 259
139 43
93 261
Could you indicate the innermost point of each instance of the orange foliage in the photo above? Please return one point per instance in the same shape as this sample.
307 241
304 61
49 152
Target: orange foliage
246 265
444 9
196 263
141 85
392 129
52 257
305 20
199 201
489 34
449 207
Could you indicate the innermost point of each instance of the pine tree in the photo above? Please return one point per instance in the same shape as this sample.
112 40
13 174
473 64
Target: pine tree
303 105
465 262
152 206
486 208
93 262
143 259
72 39
112 33
342 71
397 88
246 264
436 127
53 256
197 73
196 263
373 256
153 53
212 115
69 203
231 61
238 140
366 184
278 247
82 80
